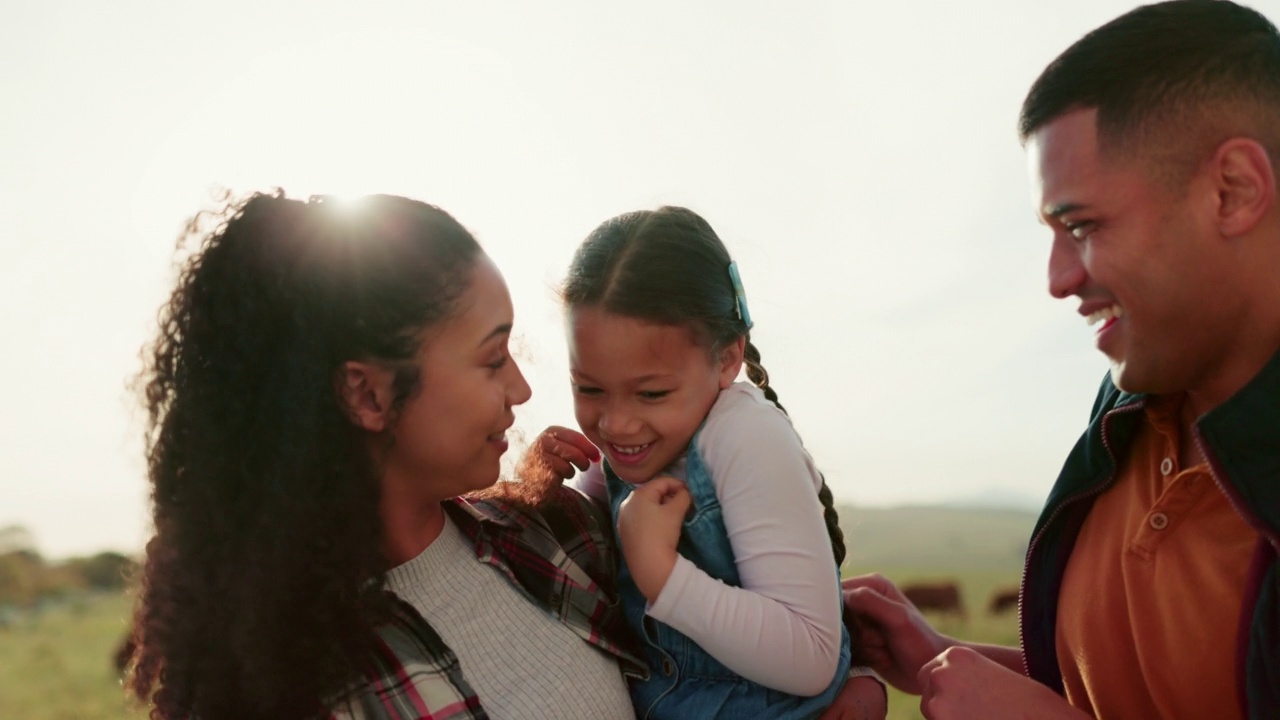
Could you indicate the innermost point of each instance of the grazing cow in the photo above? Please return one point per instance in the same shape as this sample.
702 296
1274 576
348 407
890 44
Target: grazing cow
943 596
1003 600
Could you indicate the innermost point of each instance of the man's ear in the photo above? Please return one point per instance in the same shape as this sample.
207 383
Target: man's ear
731 361
364 389
1245 184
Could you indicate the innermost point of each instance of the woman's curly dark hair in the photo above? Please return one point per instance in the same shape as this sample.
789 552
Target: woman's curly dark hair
264 579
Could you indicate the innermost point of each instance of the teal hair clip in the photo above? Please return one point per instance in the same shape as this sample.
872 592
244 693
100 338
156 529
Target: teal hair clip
741 295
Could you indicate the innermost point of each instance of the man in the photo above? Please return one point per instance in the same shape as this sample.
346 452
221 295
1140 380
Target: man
1151 588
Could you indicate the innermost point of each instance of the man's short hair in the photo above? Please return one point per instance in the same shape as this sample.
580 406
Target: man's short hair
1170 81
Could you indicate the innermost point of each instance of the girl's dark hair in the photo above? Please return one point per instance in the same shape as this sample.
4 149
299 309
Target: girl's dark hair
668 266
264 579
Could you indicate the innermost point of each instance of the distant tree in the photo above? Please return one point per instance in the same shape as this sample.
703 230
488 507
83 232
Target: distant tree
106 570
25 577
61 581
16 537
21 577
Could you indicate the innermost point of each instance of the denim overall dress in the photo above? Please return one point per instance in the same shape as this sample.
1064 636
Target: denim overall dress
684 680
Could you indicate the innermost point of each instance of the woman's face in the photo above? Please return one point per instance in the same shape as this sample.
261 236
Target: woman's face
451 434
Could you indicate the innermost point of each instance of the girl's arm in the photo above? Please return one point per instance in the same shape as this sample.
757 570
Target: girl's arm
782 627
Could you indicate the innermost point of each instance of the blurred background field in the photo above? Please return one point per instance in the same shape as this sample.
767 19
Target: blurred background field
61 622
55 662
979 549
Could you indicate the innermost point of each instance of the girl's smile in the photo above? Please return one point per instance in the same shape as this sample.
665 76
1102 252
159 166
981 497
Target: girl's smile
627 455
642 389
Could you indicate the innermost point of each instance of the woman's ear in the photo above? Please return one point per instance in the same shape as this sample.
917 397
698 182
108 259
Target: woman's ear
731 361
364 389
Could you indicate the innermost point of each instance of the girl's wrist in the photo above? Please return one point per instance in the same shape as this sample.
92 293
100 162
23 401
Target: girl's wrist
652 572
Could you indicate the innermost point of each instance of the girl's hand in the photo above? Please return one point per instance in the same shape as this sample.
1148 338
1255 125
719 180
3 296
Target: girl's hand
555 453
649 523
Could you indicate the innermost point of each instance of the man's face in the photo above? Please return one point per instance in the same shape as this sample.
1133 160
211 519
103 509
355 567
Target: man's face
1141 257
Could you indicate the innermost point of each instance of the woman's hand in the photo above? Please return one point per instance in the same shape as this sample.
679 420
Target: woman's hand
649 523
861 698
555 454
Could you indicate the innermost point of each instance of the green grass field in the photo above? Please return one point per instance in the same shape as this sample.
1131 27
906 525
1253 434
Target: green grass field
57 666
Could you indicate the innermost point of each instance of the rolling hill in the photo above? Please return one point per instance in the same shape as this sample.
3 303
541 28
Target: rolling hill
960 539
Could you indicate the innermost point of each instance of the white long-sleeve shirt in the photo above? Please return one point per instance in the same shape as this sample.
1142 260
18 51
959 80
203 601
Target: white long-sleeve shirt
782 627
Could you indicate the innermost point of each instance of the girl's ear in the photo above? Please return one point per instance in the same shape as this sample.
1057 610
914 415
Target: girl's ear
364 389
731 361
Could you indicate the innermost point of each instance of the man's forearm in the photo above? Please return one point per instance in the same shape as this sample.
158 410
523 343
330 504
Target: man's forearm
1010 657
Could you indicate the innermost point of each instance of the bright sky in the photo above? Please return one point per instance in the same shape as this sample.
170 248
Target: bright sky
861 164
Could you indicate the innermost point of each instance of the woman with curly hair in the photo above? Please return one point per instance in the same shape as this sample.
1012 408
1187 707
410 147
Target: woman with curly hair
327 383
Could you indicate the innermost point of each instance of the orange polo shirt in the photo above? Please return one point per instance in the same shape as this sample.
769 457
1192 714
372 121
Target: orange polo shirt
1152 595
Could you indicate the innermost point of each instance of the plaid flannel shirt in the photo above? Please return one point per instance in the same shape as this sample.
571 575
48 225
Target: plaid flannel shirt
563 558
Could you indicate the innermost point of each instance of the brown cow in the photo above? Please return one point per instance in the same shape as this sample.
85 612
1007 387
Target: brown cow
1003 600
942 596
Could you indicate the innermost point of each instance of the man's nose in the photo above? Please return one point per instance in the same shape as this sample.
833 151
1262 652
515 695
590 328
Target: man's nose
1066 268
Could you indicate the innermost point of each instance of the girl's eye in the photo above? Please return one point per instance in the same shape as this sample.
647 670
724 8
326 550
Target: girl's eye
653 394
586 390
497 364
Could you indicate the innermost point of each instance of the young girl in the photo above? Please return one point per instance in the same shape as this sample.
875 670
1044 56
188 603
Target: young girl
730 577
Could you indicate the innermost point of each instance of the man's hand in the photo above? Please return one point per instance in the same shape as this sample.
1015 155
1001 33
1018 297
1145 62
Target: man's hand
649 523
962 683
554 454
895 639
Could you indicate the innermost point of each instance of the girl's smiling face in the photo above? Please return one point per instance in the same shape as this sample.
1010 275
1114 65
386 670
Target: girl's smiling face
641 389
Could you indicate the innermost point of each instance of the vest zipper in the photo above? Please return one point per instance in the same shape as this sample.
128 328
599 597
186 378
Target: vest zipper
1230 492
1026 563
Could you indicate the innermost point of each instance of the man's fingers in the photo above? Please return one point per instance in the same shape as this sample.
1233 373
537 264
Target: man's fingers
924 679
874 581
882 610
876 656
926 671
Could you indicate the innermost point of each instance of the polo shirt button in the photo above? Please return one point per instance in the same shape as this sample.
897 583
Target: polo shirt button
668 667
1166 466
1159 521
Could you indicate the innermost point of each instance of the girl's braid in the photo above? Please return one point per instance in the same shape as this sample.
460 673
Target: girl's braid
760 378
